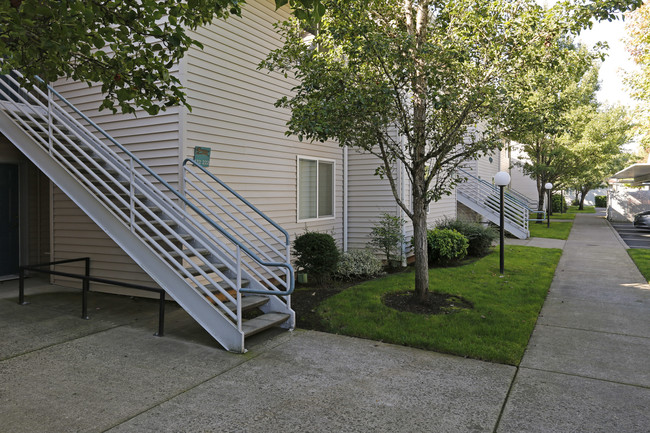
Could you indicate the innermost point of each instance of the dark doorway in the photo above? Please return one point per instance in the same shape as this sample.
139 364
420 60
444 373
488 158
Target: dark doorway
9 218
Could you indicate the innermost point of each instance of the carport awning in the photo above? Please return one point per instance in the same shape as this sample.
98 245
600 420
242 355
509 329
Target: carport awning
636 174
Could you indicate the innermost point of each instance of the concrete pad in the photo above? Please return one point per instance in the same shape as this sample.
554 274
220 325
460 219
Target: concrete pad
602 292
599 355
26 329
95 382
319 382
547 402
537 242
592 315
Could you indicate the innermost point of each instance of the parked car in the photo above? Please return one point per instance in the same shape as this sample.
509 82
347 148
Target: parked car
642 220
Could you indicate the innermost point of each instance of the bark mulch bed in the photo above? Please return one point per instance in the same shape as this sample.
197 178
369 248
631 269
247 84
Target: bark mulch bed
305 300
434 303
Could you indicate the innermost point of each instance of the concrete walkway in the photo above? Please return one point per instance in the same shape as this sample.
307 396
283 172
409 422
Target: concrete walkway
587 366
586 369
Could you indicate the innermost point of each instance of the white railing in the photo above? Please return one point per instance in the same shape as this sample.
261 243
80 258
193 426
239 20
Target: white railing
244 221
194 245
531 204
487 196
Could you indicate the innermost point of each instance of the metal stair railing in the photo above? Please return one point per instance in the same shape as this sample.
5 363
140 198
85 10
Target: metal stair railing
263 235
98 167
488 197
520 197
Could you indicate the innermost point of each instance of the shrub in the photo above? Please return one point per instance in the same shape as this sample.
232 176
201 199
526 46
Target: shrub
358 264
387 237
479 236
601 200
575 202
559 205
446 245
316 254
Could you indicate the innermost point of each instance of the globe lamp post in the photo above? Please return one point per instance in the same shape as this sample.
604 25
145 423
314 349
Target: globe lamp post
549 187
501 179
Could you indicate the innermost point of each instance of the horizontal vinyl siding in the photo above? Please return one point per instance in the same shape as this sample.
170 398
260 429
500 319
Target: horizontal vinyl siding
152 139
369 198
233 114
487 169
443 208
76 235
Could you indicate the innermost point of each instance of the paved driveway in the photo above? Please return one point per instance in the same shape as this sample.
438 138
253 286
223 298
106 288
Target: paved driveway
633 237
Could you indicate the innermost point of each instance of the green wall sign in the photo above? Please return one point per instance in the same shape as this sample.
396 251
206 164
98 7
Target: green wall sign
202 156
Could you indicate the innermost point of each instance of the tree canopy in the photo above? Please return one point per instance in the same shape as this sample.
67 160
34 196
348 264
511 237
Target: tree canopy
427 85
595 143
129 47
547 95
638 44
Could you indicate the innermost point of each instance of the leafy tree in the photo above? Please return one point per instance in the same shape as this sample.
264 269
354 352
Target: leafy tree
638 44
595 142
546 97
441 74
127 46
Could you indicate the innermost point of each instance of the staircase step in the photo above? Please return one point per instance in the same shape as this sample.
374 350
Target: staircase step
263 322
125 183
185 237
163 224
206 269
219 295
249 302
187 253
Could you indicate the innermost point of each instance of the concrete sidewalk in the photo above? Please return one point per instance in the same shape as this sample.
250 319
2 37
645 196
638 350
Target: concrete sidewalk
59 373
586 368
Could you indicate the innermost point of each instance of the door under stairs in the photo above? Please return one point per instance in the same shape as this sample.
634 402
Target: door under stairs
210 249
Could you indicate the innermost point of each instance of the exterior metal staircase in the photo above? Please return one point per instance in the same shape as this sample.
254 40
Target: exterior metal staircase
484 198
211 250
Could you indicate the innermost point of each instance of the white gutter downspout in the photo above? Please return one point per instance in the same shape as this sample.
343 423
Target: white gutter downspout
345 199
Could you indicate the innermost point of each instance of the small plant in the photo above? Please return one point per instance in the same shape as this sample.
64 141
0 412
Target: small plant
480 237
316 254
600 200
387 236
446 245
358 264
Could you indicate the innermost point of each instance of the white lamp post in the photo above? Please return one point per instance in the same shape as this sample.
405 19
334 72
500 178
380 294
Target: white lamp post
501 179
548 187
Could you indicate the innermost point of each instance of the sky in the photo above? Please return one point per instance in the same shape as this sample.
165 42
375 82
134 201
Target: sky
612 89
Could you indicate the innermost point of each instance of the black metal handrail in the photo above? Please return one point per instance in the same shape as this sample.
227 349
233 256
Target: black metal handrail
85 288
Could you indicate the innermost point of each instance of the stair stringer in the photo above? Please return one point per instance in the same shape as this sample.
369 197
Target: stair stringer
492 216
211 319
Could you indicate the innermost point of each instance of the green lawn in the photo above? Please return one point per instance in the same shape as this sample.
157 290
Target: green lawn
556 216
557 230
570 214
496 329
642 260
587 209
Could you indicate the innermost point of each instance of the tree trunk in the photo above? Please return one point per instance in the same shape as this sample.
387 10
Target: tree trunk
421 251
540 204
583 195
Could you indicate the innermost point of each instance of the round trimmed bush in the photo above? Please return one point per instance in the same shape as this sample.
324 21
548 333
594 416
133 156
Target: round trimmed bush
446 245
316 254
479 236
358 264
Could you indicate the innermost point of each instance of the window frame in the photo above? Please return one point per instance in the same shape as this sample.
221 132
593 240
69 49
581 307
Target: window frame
318 162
